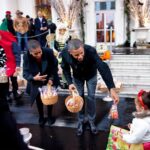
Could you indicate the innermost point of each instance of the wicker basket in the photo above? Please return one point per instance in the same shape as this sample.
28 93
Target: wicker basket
74 103
48 98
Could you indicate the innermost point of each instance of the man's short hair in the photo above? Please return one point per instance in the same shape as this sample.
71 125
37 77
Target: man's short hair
33 44
74 44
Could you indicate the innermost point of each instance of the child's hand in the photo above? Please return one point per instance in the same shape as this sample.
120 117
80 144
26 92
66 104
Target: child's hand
129 125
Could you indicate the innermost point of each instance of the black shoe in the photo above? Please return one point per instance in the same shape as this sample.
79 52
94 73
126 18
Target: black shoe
9 99
93 128
80 129
42 122
51 121
18 95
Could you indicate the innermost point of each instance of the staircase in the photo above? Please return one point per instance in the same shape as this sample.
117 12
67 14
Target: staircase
133 71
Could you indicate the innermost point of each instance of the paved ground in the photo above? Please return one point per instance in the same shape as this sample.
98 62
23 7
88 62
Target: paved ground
62 135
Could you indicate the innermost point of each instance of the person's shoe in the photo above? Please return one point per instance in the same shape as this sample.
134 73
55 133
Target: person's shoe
18 95
9 99
19 102
80 129
42 121
51 120
93 128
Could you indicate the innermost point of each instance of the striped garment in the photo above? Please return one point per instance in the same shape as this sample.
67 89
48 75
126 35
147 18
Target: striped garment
2 57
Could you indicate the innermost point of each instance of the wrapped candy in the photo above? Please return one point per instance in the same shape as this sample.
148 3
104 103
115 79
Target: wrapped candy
48 95
113 114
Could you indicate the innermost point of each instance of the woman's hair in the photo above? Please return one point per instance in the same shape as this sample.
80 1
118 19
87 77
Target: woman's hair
143 99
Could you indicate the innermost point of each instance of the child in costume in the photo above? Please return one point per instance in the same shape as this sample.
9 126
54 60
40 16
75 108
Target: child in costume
140 127
62 37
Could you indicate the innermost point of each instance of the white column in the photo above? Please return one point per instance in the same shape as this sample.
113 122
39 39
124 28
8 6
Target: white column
120 28
90 24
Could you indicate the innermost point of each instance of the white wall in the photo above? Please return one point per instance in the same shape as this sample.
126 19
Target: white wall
6 5
90 20
27 7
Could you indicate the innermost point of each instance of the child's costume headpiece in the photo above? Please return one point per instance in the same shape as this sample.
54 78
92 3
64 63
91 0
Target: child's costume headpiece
141 92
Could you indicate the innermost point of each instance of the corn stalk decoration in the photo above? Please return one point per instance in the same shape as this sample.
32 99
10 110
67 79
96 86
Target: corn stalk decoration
69 14
140 11
59 8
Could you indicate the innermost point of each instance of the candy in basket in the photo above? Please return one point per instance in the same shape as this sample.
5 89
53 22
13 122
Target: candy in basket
3 76
74 102
48 95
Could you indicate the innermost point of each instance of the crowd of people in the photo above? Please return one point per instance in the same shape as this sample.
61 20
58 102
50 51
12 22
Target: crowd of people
25 27
40 66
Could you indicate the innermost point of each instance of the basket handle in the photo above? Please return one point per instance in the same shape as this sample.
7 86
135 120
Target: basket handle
74 93
49 86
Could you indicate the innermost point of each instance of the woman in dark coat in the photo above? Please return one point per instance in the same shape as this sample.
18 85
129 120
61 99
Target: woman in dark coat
39 68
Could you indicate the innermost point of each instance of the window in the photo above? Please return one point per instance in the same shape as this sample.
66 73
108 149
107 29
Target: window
106 5
105 31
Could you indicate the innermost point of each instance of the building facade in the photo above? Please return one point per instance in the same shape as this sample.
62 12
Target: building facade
104 19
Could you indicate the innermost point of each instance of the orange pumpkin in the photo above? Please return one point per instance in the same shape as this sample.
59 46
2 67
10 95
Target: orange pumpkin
106 55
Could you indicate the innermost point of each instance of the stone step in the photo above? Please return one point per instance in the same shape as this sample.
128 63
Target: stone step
115 67
137 71
134 83
132 78
136 87
130 64
131 91
138 61
136 76
126 68
130 56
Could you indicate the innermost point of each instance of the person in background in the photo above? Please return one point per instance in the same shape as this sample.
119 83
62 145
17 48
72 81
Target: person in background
40 68
10 46
8 23
84 62
52 26
31 31
140 126
41 27
10 135
21 27
62 37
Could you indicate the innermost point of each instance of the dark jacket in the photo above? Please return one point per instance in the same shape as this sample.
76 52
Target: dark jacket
10 25
52 27
48 67
86 69
39 24
17 53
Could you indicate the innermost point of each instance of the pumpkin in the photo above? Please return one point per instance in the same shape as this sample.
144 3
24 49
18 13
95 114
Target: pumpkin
106 55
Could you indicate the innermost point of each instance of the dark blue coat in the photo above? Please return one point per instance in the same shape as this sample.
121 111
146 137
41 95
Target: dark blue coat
49 67
39 24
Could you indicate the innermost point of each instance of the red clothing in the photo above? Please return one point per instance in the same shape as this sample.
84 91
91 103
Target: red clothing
6 42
